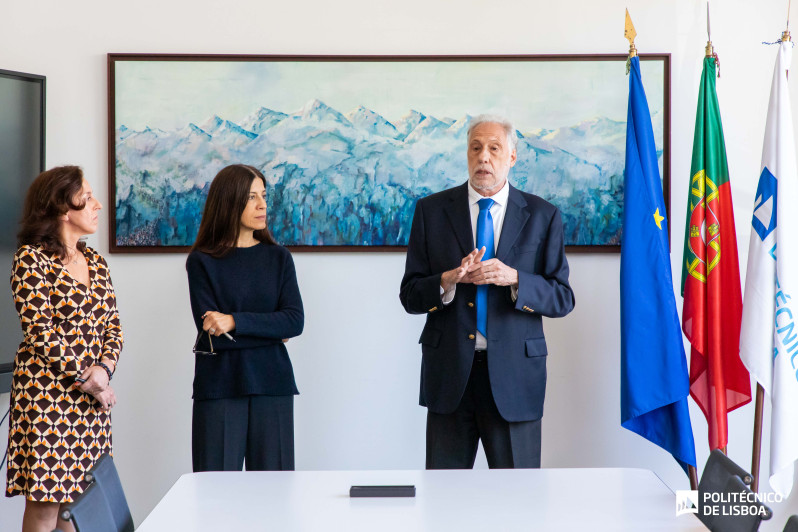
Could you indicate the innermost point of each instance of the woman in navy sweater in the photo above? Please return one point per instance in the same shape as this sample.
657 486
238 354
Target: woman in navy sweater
245 301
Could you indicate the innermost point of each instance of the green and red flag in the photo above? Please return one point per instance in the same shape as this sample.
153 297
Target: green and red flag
712 310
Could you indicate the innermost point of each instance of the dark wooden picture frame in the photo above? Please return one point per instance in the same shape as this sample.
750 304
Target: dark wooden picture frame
344 166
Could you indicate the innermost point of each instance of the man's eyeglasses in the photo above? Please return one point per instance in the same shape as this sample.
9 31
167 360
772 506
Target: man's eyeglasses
201 351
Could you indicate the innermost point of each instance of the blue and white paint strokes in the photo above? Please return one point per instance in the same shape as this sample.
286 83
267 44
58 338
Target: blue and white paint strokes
351 177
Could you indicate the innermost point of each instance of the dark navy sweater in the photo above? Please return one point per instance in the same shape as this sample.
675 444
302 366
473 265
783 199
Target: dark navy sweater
258 287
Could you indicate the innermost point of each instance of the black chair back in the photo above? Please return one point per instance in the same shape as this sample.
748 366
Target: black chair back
90 511
731 518
104 474
102 507
723 481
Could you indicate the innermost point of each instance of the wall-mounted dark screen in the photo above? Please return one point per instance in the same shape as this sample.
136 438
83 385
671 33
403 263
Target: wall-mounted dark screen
22 111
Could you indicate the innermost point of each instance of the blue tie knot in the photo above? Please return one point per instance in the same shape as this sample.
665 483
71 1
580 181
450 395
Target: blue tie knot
485 204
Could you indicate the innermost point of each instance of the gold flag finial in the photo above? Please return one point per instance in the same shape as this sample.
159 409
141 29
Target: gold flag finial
630 33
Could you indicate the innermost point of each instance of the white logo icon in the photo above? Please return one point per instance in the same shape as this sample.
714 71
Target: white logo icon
686 502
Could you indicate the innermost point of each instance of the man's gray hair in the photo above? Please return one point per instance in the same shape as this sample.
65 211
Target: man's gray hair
509 129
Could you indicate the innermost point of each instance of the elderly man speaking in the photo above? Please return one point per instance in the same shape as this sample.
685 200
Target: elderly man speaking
485 263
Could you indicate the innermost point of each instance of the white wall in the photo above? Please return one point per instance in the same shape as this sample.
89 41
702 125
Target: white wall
357 363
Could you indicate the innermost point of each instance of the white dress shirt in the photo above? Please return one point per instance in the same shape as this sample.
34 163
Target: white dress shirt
497 211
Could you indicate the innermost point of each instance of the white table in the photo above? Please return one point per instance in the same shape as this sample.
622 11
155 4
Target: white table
448 501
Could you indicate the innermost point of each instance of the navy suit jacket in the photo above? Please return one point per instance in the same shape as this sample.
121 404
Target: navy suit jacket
531 241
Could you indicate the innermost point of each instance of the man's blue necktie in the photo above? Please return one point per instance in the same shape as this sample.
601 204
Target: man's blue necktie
484 238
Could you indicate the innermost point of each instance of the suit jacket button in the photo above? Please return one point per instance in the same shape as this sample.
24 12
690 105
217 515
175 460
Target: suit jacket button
471 336
470 304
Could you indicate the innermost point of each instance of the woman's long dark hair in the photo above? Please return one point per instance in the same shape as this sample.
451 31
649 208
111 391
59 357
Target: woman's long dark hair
221 217
49 197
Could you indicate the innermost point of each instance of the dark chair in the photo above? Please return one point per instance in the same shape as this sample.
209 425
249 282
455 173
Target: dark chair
104 474
725 480
792 524
102 507
729 521
90 511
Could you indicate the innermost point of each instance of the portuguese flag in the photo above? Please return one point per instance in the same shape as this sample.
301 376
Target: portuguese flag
712 311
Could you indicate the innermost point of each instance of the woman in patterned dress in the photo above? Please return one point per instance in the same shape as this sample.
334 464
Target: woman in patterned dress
60 396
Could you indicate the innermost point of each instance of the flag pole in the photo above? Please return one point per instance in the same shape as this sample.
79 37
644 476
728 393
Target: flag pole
629 33
709 32
757 452
709 54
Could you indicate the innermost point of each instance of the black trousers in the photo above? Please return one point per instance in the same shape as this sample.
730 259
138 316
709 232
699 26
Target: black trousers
256 429
453 439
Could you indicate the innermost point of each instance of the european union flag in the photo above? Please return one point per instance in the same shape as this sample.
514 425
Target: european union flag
654 379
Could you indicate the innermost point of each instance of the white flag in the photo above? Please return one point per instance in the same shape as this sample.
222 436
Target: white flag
769 336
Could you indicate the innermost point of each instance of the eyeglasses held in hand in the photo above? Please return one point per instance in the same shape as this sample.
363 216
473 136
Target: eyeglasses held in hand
202 351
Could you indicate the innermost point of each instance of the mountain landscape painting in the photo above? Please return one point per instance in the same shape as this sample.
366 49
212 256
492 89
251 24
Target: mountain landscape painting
349 145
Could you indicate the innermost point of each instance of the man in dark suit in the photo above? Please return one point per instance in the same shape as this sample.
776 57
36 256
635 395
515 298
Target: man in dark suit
485 262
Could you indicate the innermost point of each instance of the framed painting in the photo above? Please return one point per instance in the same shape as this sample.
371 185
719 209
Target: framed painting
348 144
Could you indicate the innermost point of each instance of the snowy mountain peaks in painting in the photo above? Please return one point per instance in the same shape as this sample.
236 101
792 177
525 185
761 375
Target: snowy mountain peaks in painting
354 178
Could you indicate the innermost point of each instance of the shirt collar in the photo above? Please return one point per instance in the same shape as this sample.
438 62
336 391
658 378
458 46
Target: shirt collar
500 197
